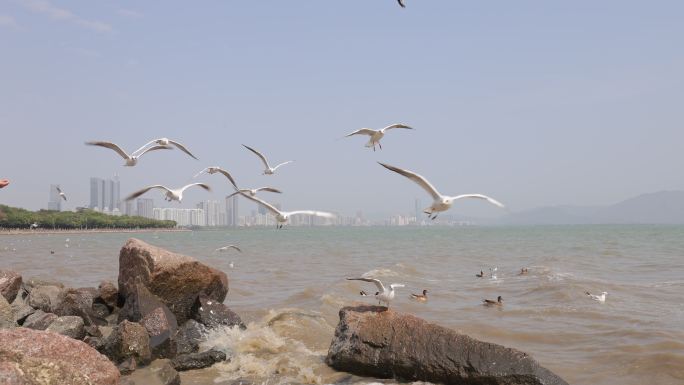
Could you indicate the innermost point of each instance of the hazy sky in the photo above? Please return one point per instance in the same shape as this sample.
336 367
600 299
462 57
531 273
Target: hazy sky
532 102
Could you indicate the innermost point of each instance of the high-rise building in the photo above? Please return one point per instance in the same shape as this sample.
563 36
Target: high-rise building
55 202
182 217
145 207
129 208
105 195
212 212
232 212
96 193
116 193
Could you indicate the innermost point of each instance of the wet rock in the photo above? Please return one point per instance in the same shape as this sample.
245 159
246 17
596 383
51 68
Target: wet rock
212 313
166 374
10 283
159 372
39 320
176 279
6 314
45 297
70 326
37 357
193 361
189 336
373 341
79 302
108 294
128 339
161 326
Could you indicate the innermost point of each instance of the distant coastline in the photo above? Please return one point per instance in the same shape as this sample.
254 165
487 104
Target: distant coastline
86 231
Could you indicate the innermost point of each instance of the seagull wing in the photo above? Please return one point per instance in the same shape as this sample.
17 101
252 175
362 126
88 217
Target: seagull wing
145 145
182 148
377 282
401 3
111 146
480 196
282 164
268 206
202 185
321 214
154 148
396 125
262 157
269 189
363 131
227 175
201 172
422 182
144 190
235 193
59 190
234 247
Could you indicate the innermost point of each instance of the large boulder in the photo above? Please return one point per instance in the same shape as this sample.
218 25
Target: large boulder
70 326
128 339
374 341
10 283
212 313
37 357
176 279
45 297
39 320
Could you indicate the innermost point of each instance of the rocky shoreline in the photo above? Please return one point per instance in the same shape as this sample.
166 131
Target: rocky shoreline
164 304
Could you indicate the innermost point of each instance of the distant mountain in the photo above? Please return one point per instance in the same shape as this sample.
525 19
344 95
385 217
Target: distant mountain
665 207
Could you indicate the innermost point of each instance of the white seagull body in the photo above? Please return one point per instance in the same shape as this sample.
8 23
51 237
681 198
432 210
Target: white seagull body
600 298
283 216
226 248
376 135
61 194
171 194
166 142
132 159
441 202
214 170
268 170
253 192
384 294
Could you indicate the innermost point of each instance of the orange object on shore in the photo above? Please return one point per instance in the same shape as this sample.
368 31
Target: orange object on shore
4 182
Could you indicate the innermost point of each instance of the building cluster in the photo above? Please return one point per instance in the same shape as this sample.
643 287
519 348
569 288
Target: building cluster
105 195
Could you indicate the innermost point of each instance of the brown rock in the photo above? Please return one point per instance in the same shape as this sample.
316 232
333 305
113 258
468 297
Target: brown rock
7 319
10 283
78 302
45 297
212 313
161 327
374 341
36 357
128 339
176 279
70 326
108 294
39 320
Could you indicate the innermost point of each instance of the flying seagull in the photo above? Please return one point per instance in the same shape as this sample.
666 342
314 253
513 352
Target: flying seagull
376 135
226 248
441 202
61 194
171 194
167 142
384 294
401 3
269 170
131 160
254 191
283 216
491 302
600 298
214 170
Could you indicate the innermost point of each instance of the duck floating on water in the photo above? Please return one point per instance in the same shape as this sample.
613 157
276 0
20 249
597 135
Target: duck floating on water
420 297
480 275
490 302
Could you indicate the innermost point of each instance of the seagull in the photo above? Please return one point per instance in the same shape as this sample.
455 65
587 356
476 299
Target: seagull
480 275
171 194
441 202
376 135
131 160
600 298
383 295
491 302
4 182
420 297
34 225
214 170
254 191
283 216
61 194
166 142
269 170
226 248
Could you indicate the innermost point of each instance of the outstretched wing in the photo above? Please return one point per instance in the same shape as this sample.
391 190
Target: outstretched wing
146 189
480 196
151 142
227 175
202 185
282 164
396 125
269 189
401 3
263 158
377 282
182 148
363 131
268 206
154 148
111 146
422 182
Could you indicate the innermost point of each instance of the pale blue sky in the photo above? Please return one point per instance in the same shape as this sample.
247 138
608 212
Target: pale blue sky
531 102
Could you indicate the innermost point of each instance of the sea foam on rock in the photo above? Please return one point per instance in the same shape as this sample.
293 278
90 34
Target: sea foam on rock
375 341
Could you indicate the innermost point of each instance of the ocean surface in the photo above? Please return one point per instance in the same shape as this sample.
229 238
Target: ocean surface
290 284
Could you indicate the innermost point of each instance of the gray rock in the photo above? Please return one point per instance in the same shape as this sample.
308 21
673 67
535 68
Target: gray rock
6 314
159 372
21 311
189 336
39 320
197 360
212 313
108 294
166 374
78 302
176 279
128 366
100 310
374 341
10 283
40 281
45 297
93 331
70 326
128 339
161 326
